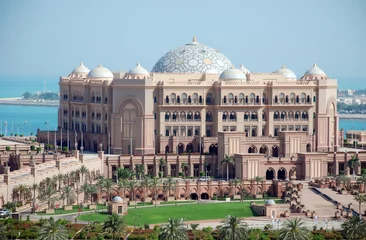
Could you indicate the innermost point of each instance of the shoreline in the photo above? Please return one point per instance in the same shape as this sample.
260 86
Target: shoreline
19 102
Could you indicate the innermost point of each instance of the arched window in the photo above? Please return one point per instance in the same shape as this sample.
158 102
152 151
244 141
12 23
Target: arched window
308 99
197 116
208 98
208 117
200 99
275 116
264 116
264 98
224 116
236 99
195 98
292 97
167 116
290 115
246 116
241 98
174 117
282 98
254 116
297 99
314 99
189 116
276 99
166 99
208 133
178 99
230 97
251 97
183 116
225 99
283 116
297 115
232 116
286 98
189 99
257 99
303 97
184 98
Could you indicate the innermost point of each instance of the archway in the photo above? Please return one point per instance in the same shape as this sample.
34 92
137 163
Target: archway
308 147
274 151
263 150
252 149
180 148
281 175
167 149
189 148
213 149
205 196
194 196
292 174
270 174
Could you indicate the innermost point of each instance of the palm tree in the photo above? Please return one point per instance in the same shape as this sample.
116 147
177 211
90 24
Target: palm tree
21 188
60 177
131 189
258 179
108 186
227 160
162 163
362 180
146 185
184 167
154 187
83 170
114 225
34 187
354 228
100 184
174 230
360 199
170 185
68 194
233 228
234 183
88 190
48 195
294 229
51 230
140 170
343 179
124 173
353 163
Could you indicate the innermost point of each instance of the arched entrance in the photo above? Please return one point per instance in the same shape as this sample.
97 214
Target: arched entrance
252 149
204 196
270 174
213 149
167 149
293 175
180 148
263 150
189 148
274 151
308 147
281 175
194 196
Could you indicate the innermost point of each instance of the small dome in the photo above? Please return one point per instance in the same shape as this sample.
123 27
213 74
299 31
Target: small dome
243 69
81 69
270 202
100 72
117 199
314 73
286 73
138 70
232 74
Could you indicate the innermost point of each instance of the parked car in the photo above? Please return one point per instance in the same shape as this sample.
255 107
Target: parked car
4 213
203 179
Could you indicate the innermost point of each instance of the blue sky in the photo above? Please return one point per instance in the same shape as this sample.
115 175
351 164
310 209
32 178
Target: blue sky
50 38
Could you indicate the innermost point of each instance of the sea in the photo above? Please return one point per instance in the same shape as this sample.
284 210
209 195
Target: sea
27 119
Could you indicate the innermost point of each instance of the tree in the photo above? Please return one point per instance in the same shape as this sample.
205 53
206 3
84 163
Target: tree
48 195
34 188
68 194
146 185
3 231
258 179
234 184
227 160
60 177
21 188
184 167
83 170
169 185
100 184
27 95
360 199
294 229
162 164
124 173
108 186
174 230
51 230
131 189
154 187
362 180
343 179
140 170
354 228
353 163
114 225
88 190
233 228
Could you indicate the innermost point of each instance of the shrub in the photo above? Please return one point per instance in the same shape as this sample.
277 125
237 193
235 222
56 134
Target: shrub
21 135
7 148
194 226
16 134
31 134
146 226
32 148
363 171
202 174
11 206
39 149
181 174
65 149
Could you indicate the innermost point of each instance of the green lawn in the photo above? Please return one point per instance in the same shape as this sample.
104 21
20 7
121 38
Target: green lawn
75 209
153 215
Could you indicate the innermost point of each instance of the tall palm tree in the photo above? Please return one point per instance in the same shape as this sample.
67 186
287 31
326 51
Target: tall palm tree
162 164
145 184
21 188
51 230
83 170
353 163
132 185
258 179
170 185
120 187
362 180
235 182
114 225
100 184
233 228
354 228
174 230
343 179
154 187
34 188
108 186
124 173
68 194
360 199
184 167
294 229
227 160
140 170
60 178
48 195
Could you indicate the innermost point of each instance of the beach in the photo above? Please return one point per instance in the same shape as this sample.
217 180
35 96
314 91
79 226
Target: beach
20 102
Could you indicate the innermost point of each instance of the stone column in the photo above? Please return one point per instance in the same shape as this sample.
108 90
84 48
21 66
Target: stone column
167 169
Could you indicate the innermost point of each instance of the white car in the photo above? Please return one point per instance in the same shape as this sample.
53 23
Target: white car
203 179
4 213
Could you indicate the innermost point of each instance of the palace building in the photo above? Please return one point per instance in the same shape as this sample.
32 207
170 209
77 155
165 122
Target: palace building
194 101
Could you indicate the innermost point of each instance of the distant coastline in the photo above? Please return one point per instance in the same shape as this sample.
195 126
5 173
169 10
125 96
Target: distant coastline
20 102
352 116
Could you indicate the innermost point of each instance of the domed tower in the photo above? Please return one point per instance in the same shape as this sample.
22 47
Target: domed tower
314 73
80 71
286 73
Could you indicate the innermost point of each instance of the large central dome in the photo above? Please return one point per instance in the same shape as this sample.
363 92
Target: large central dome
192 58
